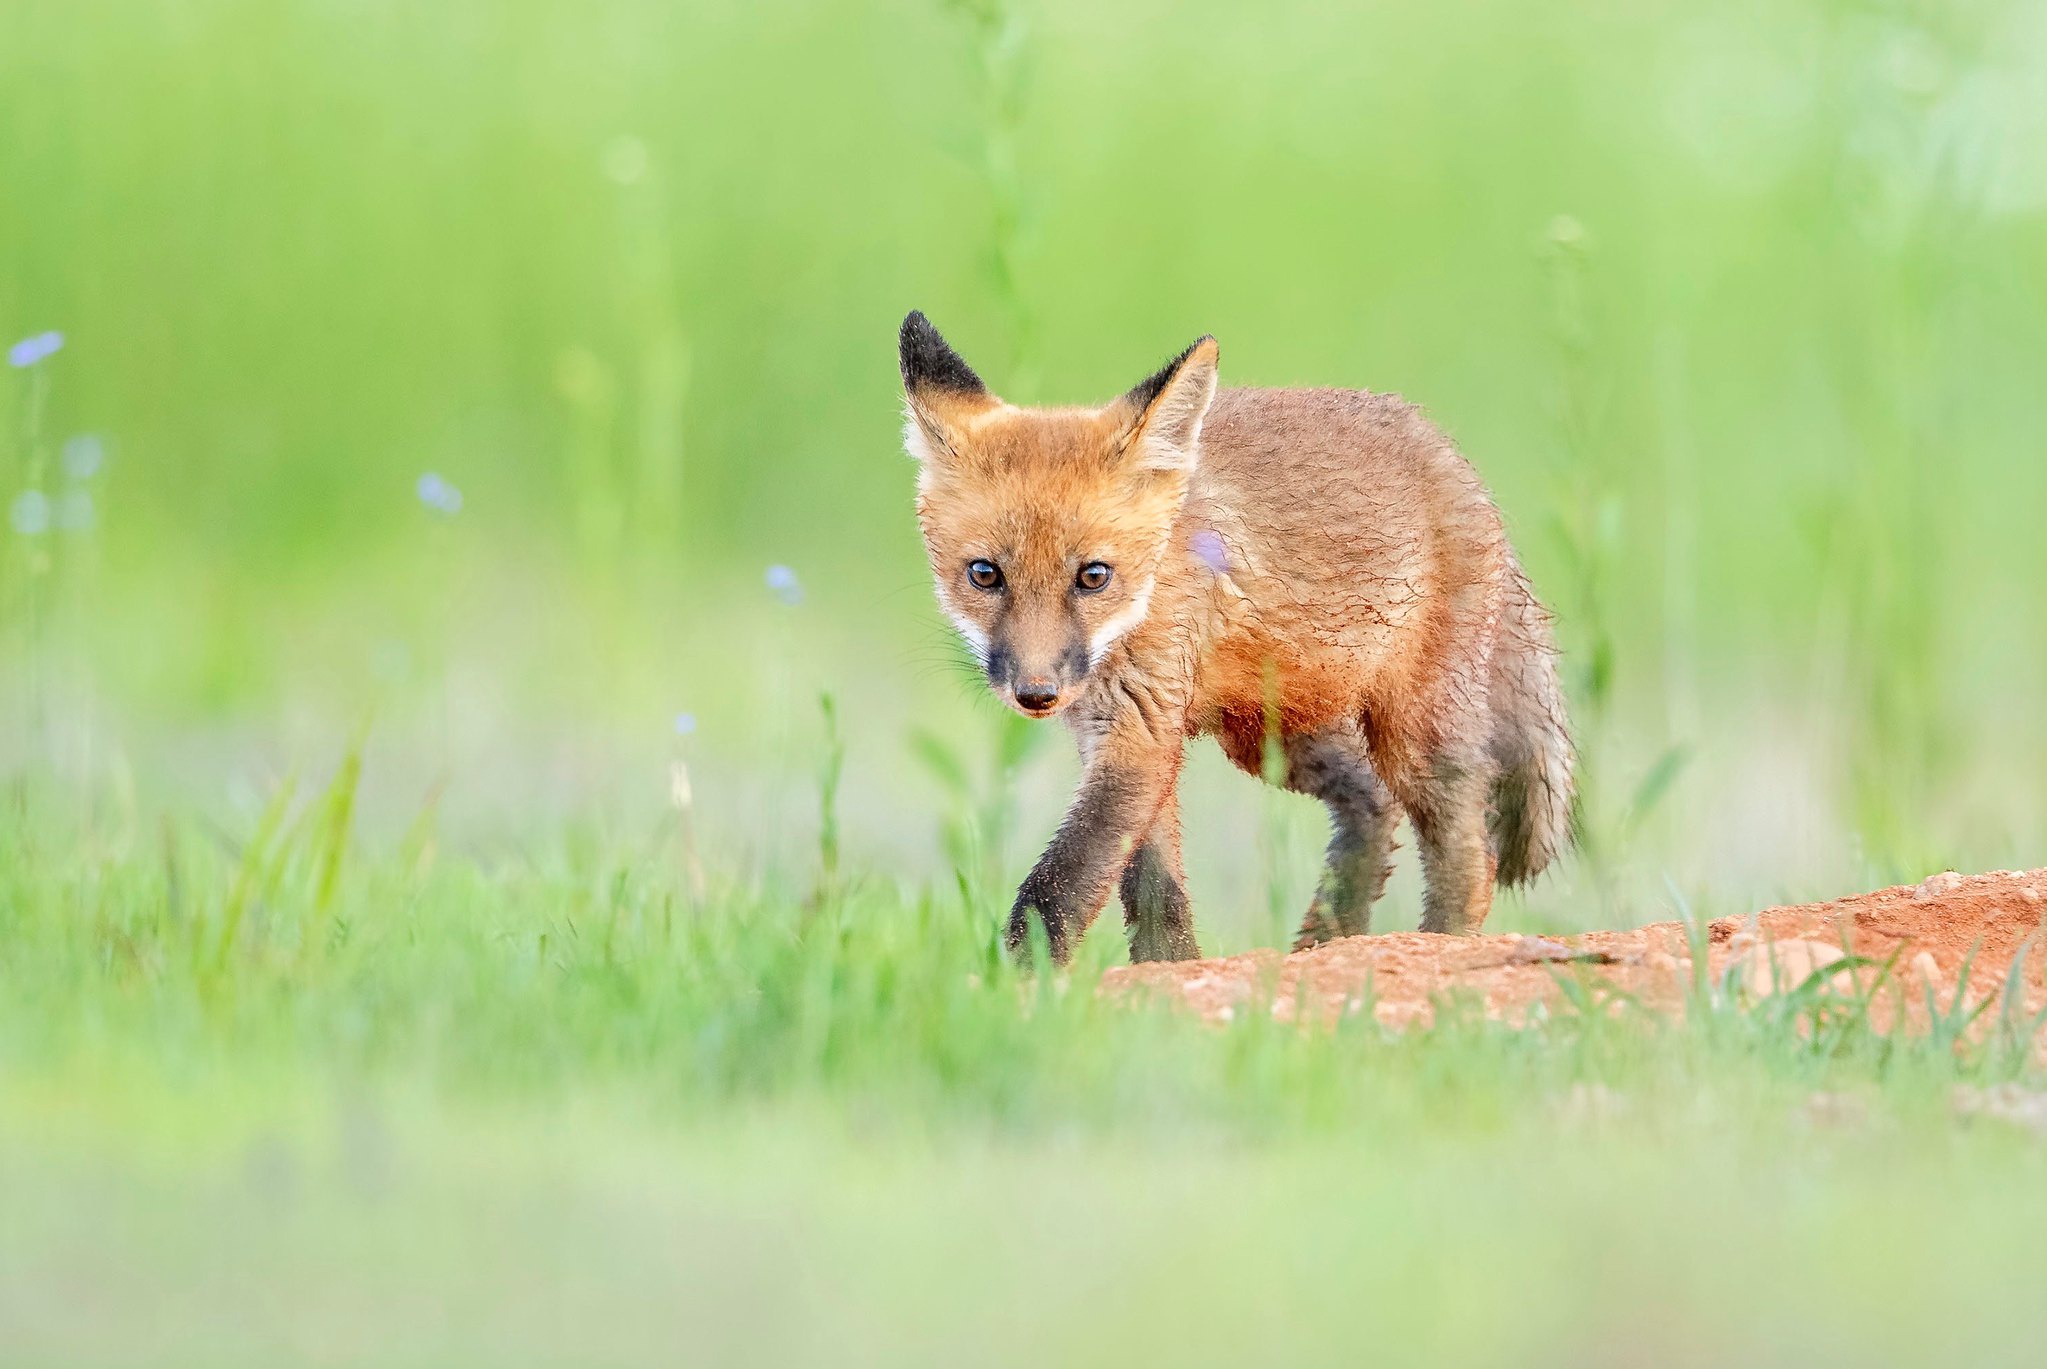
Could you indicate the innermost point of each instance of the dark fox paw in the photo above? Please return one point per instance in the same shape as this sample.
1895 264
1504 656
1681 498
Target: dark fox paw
1324 924
1317 928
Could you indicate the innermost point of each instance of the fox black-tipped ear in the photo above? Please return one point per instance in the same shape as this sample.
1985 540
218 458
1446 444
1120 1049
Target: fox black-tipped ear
929 362
942 392
1167 407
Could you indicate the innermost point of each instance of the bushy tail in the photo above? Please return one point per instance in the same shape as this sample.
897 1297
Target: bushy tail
1531 743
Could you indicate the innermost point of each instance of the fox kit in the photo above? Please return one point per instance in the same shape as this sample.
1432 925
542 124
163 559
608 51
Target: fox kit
1318 565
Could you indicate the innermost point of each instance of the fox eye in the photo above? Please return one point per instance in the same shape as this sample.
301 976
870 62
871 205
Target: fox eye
984 575
1093 577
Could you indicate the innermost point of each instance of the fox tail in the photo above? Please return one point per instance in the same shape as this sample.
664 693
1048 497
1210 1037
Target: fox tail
1533 809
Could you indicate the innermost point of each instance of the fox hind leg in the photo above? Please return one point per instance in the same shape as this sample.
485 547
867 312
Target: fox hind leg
1335 767
1448 806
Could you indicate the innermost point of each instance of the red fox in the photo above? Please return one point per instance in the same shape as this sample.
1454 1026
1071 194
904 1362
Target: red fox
1318 565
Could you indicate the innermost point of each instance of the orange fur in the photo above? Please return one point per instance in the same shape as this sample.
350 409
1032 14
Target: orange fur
1323 559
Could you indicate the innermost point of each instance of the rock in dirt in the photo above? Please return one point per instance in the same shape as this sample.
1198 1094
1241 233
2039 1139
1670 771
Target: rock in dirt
1535 950
1937 886
1767 967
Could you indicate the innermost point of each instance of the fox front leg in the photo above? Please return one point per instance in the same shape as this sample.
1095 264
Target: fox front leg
1154 888
1126 783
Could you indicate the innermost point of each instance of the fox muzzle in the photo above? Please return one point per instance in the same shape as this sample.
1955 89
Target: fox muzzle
1037 688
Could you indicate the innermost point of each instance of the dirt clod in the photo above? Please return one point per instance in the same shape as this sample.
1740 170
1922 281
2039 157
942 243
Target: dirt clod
1663 962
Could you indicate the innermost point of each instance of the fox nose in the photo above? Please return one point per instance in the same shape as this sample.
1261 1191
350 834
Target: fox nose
1037 695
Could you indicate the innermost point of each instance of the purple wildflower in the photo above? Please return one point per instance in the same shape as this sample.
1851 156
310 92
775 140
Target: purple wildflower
786 587
30 350
685 724
438 494
1210 549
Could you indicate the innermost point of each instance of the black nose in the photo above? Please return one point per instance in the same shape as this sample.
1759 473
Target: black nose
1036 695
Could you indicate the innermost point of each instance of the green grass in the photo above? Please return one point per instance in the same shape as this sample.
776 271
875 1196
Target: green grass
267 1098
478 1047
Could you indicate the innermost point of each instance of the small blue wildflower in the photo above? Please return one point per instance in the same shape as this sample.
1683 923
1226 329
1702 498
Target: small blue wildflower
785 585
1210 549
685 724
30 513
30 350
75 512
438 494
83 456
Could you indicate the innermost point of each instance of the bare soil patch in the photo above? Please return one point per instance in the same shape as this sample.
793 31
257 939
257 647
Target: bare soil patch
1403 977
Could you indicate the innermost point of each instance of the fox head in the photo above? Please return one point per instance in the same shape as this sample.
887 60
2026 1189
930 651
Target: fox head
1046 527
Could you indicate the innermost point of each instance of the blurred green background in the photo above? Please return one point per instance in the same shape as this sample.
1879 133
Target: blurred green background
1740 309
502 395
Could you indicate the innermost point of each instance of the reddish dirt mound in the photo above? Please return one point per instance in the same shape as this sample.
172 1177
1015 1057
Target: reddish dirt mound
1403 975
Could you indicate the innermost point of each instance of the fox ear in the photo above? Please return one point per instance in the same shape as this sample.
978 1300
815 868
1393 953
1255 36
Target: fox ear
941 390
1166 409
929 362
